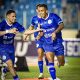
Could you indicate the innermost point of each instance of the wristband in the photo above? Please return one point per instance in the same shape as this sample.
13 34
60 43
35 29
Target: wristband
7 31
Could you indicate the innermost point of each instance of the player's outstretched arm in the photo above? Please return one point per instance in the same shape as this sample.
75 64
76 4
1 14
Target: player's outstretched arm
2 33
27 32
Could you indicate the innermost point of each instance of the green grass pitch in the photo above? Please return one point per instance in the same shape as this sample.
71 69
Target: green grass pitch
71 71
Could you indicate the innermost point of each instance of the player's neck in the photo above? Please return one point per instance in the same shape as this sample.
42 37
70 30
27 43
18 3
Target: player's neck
46 16
39 16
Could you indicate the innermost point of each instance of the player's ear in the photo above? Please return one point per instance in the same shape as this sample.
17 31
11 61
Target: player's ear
7 16
36 10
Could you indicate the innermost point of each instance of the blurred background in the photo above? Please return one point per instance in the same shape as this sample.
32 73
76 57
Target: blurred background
26 54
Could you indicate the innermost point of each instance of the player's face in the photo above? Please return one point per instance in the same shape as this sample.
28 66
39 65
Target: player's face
38 13
42 12
11 17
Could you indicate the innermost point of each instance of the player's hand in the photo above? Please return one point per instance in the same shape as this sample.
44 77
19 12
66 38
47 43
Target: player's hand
39 29
38 26
53 36
13 30
40 34
25 37
38 37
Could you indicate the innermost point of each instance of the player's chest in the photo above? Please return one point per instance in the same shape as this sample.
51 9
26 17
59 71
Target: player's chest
7 27
9 35
49 23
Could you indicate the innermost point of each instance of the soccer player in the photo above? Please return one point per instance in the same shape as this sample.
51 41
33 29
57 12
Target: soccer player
52 25
8 29
39 42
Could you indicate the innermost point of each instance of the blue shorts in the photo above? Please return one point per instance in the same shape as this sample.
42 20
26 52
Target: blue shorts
58 48
7 52
39 44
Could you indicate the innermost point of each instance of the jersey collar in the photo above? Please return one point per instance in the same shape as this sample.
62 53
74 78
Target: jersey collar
8 23
46 17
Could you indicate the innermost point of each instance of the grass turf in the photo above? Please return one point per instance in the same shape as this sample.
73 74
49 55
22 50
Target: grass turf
71 71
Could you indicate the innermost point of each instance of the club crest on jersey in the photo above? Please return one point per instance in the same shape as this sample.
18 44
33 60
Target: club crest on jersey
49 21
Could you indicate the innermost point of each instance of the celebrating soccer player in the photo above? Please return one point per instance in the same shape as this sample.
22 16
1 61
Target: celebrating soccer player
52 37
8 29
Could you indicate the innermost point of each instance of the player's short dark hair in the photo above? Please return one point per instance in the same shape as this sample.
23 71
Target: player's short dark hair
10 11
42 5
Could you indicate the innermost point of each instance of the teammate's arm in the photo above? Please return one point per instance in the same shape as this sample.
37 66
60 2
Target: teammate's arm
26 37
28 32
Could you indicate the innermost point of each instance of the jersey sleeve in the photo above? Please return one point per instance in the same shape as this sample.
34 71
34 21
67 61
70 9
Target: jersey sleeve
20 28
57 19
